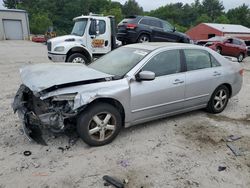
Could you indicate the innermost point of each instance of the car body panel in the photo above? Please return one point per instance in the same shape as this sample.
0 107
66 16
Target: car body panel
156 33
43 76
141 101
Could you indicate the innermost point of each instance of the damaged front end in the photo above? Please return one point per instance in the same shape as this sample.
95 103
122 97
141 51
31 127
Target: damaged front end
53 113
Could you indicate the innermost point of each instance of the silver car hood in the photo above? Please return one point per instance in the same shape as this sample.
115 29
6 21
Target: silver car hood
50 76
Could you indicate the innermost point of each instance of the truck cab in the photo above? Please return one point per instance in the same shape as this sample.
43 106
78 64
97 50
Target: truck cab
92 35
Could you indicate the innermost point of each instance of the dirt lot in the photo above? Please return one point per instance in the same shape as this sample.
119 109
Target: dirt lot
181 151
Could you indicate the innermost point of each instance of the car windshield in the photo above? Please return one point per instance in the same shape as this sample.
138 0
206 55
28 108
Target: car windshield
79 27
119 61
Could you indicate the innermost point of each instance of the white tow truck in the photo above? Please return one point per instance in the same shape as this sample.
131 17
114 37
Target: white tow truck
92 36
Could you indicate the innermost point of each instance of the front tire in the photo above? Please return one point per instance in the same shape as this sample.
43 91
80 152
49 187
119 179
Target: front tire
219 100
78 58
99 124
218 50
240 57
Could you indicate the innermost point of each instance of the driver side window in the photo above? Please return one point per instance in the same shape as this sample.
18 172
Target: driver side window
164 63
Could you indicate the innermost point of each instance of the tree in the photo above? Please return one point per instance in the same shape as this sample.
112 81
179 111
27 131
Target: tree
222 19
131 7
11 4
239 15
213 8
40 23
204 18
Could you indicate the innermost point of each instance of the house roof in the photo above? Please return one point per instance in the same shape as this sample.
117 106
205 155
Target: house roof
229 28
11 10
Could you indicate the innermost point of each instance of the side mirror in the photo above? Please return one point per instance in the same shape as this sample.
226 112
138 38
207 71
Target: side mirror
145 76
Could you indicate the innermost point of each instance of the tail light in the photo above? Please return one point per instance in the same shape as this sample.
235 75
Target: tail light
131 26
241 72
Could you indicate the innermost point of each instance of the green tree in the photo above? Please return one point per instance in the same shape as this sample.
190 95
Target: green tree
213 8
131 7
204 18
40 23
222 19
239 15
11 4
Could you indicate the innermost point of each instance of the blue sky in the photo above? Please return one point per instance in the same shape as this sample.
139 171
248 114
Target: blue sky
149 5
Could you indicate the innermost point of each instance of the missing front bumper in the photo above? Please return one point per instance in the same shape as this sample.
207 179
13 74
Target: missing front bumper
30 122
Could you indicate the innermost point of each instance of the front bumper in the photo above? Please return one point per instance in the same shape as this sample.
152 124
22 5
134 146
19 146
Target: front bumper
57 57
30 122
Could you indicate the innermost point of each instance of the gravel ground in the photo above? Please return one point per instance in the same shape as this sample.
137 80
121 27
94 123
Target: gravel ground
181 151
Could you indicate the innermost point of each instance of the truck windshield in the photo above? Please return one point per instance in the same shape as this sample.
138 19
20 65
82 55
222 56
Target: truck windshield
119 61
79 27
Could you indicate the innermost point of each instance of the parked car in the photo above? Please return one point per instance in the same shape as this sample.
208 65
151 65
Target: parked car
228 46
148 29
130 85
247 42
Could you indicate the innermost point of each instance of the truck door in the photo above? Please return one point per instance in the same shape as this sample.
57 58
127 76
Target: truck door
99 41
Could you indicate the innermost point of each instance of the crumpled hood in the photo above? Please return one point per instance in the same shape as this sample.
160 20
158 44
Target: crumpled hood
43 76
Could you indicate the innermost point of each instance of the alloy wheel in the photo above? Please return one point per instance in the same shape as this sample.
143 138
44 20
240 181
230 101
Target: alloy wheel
220 99
102 126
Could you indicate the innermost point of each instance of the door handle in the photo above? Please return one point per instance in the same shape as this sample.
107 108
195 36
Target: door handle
216 73
178 81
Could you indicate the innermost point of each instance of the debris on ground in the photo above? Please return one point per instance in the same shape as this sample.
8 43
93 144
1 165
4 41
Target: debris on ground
36 165
222 168
124 163
27 153
64 148
113 181
125 181
236 151
41 174
232 138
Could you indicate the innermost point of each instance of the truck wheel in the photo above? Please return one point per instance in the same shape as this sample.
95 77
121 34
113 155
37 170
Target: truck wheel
99 124
78 58
143 38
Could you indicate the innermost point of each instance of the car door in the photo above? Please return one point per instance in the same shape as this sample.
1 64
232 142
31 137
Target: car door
163 32
162 95
99 43
203 75
228 48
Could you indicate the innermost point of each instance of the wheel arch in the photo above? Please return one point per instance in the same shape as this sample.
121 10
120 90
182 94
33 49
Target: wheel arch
80 50
229 87
117 104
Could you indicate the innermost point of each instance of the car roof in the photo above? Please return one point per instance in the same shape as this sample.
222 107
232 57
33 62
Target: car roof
155 45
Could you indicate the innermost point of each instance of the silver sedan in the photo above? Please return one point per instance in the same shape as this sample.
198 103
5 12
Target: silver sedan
131 85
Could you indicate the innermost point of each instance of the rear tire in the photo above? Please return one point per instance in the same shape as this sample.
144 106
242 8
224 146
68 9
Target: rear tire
218 100
78 58
99 124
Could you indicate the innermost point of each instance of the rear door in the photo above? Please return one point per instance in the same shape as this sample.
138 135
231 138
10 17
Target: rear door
163 95
203 75
166 34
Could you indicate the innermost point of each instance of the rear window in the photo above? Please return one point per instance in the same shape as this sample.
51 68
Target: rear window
130 19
